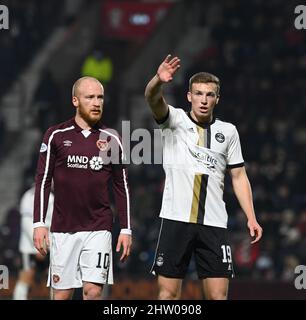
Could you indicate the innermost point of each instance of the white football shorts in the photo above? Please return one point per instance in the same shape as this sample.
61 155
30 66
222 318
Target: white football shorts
80 256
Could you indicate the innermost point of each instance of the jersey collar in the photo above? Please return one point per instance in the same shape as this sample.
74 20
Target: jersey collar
202 125
95 128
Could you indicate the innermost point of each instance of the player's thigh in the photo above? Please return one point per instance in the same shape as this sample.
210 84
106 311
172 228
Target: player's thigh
96 260
213 253
174 249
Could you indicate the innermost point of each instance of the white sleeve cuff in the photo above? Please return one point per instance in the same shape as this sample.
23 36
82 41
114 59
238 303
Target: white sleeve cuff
126 231
39 224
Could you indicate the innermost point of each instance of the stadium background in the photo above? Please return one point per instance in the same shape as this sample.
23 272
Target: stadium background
258 54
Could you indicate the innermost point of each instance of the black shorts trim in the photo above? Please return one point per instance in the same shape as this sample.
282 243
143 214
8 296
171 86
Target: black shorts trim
182 276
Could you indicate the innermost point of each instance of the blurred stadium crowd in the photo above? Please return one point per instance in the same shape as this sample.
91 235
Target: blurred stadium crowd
261 60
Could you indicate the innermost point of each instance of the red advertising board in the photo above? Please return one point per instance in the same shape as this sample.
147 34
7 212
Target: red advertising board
131 19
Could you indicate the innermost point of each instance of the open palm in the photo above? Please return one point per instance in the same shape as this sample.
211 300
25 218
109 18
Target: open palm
168 68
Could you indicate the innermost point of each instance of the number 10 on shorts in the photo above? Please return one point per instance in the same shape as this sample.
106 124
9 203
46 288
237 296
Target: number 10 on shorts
105 260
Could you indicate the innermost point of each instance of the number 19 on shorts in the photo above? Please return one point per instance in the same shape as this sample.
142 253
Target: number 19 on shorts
227 255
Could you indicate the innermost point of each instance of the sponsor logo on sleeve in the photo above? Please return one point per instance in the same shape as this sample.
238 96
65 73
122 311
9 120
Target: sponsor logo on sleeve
43 148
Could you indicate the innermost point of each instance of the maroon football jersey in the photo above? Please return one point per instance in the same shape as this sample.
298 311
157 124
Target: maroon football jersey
82 164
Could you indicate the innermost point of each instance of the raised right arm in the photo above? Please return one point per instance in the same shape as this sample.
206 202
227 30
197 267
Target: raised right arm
153 92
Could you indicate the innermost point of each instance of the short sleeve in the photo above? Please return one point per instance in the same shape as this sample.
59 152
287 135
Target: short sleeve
171 120
234 155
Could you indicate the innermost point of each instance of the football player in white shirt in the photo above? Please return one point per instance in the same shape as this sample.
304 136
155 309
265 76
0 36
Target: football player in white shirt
31 258
197 151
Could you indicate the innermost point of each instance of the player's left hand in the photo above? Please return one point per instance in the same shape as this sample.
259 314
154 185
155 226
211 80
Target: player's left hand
255 230
124 240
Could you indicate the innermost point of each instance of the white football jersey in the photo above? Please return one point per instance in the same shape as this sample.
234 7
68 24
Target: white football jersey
27 205
195 159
